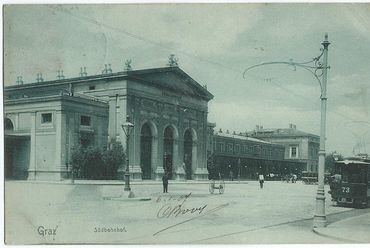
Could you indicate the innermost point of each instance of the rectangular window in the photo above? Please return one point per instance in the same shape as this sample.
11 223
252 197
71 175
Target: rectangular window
92 87
237 148
229 148
294 152
222 147
46 118
85 120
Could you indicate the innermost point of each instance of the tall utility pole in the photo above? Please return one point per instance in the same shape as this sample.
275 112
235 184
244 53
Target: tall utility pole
320 216
319 70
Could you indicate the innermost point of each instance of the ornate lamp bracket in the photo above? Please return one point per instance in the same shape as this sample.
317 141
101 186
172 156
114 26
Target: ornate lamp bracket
315 66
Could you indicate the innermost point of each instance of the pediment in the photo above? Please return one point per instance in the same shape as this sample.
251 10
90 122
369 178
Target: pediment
172 79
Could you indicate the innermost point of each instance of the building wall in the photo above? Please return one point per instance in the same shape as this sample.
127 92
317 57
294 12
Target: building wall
307 149
160 97
50 143
246 157
160 108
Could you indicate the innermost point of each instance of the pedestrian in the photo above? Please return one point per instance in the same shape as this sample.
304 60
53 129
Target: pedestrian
231 175
294 180
261 180
165 183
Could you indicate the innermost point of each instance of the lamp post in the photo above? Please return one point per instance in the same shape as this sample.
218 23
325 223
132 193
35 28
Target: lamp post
239 169
319 70
127 129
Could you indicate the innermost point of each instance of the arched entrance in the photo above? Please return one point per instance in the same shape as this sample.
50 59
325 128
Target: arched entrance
168 142
16 156
8 124
146 151
188 150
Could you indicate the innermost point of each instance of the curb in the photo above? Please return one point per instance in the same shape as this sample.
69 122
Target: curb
323 231
120 183
314 230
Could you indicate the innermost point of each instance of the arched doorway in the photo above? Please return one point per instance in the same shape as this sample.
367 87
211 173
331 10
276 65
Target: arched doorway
188 150
168 141
146 151
8 124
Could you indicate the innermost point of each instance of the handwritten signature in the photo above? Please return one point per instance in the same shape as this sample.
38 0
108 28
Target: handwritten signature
195 217
168 210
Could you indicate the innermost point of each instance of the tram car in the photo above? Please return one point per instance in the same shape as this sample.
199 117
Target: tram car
350 182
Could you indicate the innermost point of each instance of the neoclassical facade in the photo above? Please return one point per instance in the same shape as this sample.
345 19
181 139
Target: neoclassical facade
167 107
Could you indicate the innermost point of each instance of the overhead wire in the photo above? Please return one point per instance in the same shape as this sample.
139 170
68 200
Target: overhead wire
155 43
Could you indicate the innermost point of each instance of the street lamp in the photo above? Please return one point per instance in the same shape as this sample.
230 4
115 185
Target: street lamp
319 70
127 129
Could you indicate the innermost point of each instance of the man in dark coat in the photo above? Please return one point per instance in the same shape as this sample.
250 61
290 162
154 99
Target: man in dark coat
165 183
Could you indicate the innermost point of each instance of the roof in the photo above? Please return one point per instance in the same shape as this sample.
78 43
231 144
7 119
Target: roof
281 132
354 160
240 137
351 161
148 76
76 98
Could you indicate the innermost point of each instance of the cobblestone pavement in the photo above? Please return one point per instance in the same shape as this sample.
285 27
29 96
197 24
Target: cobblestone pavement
278 213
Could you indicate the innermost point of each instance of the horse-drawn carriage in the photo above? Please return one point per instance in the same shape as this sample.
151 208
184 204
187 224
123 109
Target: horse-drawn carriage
215 177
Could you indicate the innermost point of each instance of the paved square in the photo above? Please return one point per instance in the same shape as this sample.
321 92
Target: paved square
278 213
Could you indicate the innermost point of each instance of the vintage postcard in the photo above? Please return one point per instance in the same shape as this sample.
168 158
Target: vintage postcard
244 123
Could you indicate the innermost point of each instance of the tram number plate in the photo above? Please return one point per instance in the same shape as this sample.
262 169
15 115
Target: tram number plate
345 189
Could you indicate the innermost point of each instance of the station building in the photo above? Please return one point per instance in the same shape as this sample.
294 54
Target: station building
45 120
246 157
299 146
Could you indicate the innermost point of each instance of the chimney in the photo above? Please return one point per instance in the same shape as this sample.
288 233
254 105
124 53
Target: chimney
292 126
105 71
83 72
19 80
257 127
39 78
60 75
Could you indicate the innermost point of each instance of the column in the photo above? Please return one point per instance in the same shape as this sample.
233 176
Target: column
135 168
32 168
175 159
180 172
122 119
112 129
59 165
154 155
159 171
201 172
121 134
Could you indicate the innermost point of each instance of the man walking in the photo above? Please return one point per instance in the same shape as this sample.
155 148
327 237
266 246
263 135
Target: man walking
165 183
261 179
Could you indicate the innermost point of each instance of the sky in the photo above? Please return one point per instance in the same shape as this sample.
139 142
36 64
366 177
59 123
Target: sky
214 43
